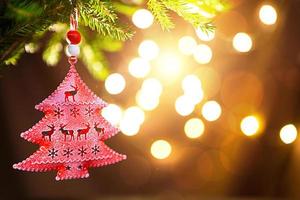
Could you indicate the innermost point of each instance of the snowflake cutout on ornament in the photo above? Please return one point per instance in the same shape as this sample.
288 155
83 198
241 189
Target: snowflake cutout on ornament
95 149
89 111
68 152
58 112
53 153
82 151
74 111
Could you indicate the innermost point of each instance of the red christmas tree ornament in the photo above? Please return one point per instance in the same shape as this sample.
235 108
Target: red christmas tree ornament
73 37
71 135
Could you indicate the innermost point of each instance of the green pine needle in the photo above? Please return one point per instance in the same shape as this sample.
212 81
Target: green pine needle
160 12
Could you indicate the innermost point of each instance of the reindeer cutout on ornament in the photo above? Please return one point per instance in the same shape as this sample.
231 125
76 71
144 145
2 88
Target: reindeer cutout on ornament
83 131
48 133
99 130
66 132
71 93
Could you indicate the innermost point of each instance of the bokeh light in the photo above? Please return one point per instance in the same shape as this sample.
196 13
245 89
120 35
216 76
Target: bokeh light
250 125
191 86
142 18
191 82
129 127
161 149
268 15
205 36
148 49
187 44
194 128
210 80
139 67
203 54
152 86
115 83
288 133
112 113
31 47
211 110
169 65
146 100
184 105
135 114
242 42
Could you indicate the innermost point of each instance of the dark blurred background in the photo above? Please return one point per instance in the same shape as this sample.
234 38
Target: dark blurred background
223 163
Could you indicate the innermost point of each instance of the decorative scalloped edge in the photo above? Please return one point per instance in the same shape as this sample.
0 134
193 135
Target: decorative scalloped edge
56 166
71 177
29 159
71 70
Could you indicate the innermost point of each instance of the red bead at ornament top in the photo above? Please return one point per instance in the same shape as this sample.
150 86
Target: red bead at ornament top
73 37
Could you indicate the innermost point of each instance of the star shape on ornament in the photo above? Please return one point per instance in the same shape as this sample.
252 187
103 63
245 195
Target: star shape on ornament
82 151
52 153
89 111
74 112
68 167
68 152
80 167
95 149
58 112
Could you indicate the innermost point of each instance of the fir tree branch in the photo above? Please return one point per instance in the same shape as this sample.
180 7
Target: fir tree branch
23 21
160 12
15 33
97 19
183 9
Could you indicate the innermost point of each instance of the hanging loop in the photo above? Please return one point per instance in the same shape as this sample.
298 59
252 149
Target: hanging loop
72 60
74 16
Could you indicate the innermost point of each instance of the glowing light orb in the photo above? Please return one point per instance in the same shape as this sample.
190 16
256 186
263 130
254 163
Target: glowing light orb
115 83
191 86
31 47
148 49
152 86
169 65
147 101
288 133
205 36
129 127
184 105
268 15
250 125
196 96
187 44
112 113
242 42
194 128
161 149
134 114
142 18
190 82
211 110
139 67
202 54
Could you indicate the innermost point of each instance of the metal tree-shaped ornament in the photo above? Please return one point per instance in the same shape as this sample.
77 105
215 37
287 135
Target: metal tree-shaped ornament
71 135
